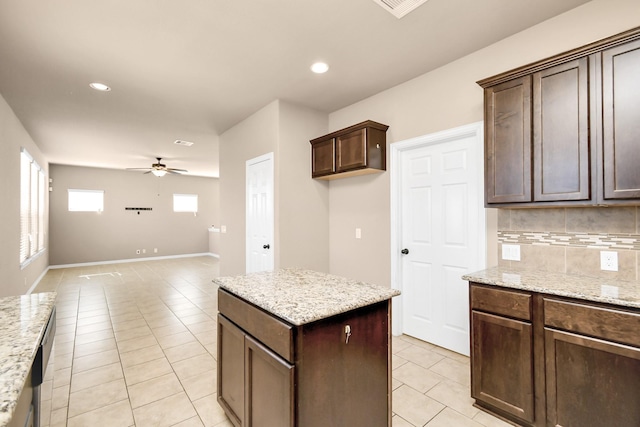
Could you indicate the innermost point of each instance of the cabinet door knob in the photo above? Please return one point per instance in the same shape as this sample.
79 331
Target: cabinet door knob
266 246
405 251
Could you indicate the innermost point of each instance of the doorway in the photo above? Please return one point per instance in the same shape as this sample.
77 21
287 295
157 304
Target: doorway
259 214
438 233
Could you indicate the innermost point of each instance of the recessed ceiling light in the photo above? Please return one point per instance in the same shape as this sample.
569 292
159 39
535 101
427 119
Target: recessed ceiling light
100 86
319 68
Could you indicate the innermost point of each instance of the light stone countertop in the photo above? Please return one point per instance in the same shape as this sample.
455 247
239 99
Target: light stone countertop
22 323
304 296
597 289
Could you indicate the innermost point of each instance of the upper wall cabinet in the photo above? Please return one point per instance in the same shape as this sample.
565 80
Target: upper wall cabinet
566 131
357 150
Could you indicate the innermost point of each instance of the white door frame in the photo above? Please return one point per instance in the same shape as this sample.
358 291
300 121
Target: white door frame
475 130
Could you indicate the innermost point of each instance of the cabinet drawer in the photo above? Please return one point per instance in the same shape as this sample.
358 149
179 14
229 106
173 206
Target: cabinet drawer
498 301
600 322
272 332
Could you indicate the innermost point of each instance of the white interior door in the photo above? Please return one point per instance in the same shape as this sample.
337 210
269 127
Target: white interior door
260 214
440 234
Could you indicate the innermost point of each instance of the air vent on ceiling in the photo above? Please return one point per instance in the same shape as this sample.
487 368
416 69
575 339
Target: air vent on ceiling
399 8
183 143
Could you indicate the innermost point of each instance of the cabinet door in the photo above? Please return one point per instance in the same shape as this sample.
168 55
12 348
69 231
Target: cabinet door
508 142
621 121
269 383
502 364
351 151
561 140
231 370
591 382
323 158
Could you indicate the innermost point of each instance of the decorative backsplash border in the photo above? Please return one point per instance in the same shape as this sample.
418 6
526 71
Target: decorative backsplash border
583 240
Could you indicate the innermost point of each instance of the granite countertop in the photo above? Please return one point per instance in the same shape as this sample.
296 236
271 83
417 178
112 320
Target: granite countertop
22 323
598 289
304 296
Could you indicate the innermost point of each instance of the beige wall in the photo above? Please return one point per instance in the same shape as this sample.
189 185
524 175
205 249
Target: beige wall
116 234
13 280
445 98
253 137
301 204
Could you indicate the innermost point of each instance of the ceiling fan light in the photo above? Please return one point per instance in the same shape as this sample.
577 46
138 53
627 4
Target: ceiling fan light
159 172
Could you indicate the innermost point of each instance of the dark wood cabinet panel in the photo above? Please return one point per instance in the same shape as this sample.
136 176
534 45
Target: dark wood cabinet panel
591 382
230 386
502 364
269 385
508 141
323 158
561 138
621 121
357 150
348 379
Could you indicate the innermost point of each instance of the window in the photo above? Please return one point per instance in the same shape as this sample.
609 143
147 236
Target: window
32 208
86 200
185 203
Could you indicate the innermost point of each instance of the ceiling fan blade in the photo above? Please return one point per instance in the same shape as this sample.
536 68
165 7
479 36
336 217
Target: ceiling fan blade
137 169
146 172
177 170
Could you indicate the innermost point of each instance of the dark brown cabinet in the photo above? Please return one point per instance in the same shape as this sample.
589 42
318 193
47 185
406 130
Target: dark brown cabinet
538 360
357 150
271 373
508 141
621 121
564 131
502 352
592 364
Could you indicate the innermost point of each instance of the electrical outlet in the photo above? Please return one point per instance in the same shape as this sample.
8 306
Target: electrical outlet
358 233
137 251
155 250
223 228
511 252
144 251
609 260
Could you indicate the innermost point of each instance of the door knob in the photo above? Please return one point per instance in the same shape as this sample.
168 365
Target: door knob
266 246
405 251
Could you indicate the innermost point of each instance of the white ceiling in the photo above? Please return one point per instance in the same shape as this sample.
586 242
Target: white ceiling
192 69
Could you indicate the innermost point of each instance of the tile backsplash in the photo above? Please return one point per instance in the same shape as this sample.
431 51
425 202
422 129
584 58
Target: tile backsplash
569 240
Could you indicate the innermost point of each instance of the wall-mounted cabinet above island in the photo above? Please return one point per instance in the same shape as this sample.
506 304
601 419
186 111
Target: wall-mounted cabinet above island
357 150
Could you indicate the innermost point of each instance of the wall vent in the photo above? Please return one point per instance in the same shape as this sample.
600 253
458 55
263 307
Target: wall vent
399 8
183 143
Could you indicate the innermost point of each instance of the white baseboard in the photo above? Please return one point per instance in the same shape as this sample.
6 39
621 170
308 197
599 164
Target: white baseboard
122 261
35 284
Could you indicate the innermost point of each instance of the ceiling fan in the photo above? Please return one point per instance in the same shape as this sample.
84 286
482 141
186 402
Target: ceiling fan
160 169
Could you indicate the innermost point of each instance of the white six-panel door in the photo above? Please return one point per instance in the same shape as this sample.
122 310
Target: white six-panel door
441 229
259 212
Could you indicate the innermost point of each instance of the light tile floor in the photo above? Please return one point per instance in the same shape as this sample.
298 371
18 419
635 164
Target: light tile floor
136 346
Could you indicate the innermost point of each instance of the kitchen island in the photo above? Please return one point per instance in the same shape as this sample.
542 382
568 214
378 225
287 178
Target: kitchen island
555 349
27 327
303 348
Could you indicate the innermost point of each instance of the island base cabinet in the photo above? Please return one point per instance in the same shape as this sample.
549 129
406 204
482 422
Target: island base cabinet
591 382
502 365
343 379
231 370
269 382
337 373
